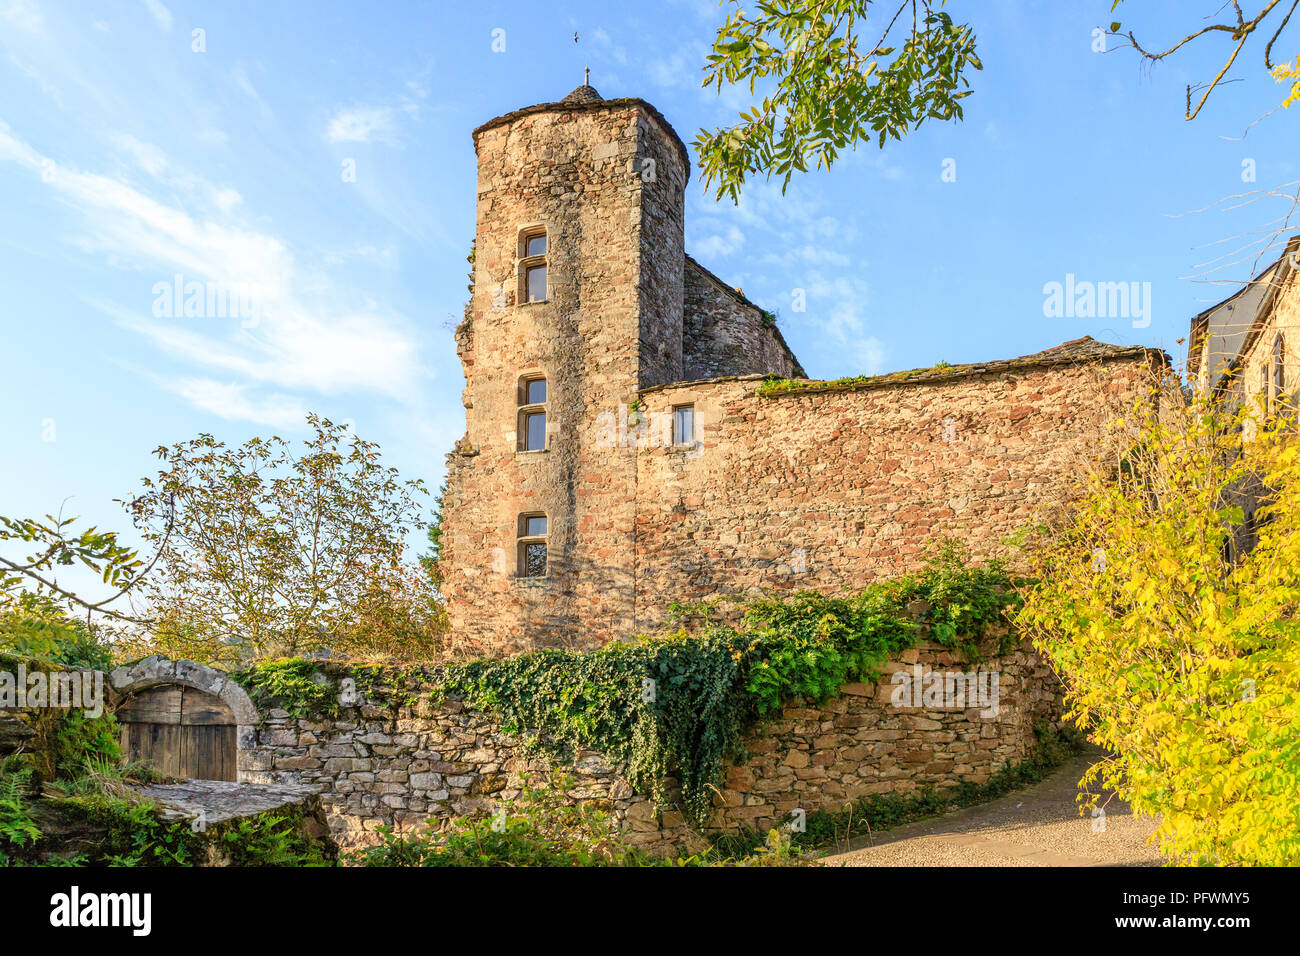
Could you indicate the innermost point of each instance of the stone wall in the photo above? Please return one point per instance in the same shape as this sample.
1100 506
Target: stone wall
726 334
810 489
387 760
1255 379
821 490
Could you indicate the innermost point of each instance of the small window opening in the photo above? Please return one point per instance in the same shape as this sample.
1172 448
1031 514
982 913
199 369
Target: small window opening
532 265
1279 371
532 546
532 414
683 424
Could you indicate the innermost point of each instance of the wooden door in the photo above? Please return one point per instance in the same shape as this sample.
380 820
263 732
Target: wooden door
181 731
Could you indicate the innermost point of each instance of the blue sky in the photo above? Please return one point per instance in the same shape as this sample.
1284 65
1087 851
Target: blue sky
127 158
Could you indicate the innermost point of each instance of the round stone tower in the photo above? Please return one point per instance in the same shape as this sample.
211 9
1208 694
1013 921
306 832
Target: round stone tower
577 305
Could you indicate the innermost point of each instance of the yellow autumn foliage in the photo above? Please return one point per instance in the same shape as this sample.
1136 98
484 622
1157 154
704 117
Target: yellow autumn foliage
1289 71
1168 604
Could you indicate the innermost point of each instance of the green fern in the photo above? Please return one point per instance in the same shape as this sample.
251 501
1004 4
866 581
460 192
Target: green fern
16 824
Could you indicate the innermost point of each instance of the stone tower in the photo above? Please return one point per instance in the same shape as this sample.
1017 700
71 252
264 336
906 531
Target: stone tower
577 306
621 451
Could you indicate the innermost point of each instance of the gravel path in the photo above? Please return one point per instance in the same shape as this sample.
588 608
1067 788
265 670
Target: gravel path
1039 826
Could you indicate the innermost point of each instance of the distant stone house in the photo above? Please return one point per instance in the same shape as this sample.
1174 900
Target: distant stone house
1242 351
619 452
1244 347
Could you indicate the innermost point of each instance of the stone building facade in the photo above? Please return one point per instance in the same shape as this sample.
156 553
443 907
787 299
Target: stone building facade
1245 346
619 452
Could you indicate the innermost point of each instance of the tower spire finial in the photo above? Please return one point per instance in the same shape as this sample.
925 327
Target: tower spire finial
586 76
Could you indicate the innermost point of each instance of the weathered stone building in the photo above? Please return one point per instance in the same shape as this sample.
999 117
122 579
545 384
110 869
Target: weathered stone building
1239 347
619 452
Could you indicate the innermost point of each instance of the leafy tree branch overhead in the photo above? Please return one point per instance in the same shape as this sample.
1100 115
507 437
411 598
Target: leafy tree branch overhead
841 72
57 545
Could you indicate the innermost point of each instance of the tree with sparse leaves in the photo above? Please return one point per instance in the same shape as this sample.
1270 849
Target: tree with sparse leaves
1270 20
267 550
839 73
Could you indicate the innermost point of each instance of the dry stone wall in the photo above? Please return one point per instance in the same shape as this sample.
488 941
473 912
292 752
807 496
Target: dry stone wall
391 759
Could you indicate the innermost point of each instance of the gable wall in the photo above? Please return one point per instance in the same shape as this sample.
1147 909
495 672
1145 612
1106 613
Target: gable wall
723 335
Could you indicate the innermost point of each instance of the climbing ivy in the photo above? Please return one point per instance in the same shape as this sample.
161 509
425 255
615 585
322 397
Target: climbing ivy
680 706
659 707
294 684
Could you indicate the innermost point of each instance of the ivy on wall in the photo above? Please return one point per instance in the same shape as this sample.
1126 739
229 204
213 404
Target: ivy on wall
678 707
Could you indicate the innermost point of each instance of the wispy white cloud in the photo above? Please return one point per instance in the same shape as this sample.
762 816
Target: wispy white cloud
21 15
242 81
361 124
305 333
838 305
604 42
234 403
161 15
148 156
815 266
718 245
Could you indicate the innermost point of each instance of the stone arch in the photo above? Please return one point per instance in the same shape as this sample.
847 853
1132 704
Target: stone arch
157 671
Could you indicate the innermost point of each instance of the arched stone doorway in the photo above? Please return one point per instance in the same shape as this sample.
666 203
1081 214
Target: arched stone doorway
187 720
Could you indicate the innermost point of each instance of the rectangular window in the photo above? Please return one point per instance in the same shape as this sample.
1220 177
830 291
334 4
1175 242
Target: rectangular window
683 425
534 431
532 264
535 285
534 564
532 414
532 546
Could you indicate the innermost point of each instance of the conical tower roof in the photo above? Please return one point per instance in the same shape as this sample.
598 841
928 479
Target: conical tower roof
583 94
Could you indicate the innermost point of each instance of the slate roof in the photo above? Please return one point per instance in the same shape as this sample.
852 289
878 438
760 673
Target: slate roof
1081 351
583 94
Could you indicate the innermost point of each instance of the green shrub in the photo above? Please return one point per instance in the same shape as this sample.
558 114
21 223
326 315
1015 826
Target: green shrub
275 838
541 828
132 833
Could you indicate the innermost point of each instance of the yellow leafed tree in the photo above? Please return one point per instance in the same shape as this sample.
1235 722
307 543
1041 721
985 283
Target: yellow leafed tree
1167 600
